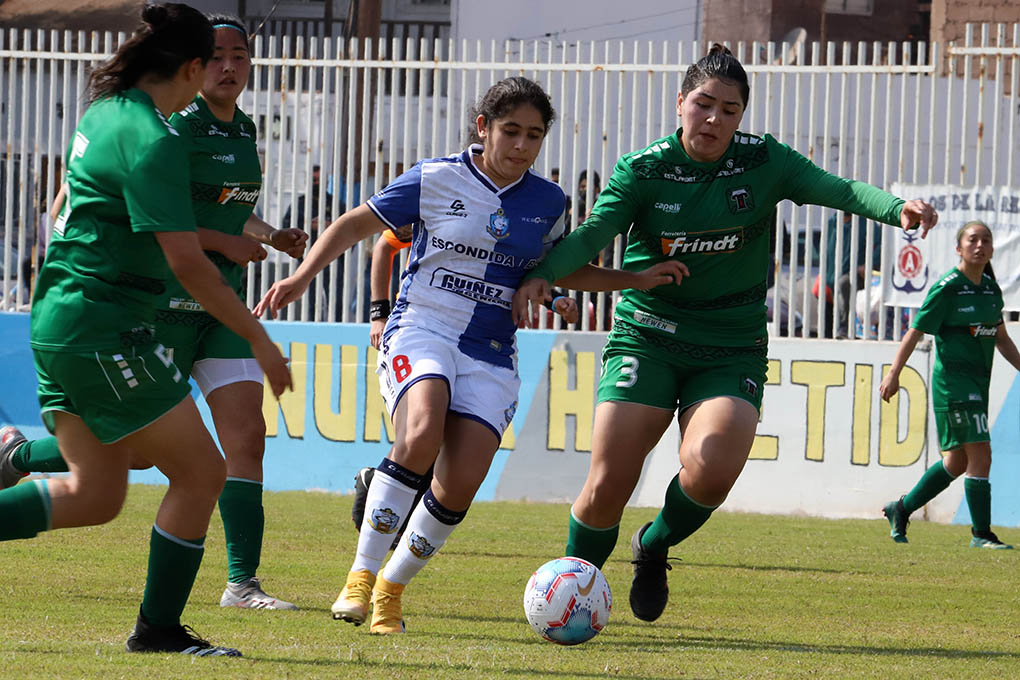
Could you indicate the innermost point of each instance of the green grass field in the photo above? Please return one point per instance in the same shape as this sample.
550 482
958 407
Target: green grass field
755 596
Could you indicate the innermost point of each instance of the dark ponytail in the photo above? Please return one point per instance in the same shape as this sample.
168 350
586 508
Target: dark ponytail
718 63
171 34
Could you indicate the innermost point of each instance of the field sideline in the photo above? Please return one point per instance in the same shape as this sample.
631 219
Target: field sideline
755 596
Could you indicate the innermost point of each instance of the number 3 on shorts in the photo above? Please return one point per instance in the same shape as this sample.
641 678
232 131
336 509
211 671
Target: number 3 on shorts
628 369
401 367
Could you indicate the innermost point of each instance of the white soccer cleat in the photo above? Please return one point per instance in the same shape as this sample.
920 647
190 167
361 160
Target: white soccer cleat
249 595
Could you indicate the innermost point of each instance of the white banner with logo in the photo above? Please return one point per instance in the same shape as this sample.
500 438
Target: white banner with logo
913 264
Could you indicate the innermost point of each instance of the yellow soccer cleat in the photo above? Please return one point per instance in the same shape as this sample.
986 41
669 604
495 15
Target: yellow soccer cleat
386 612
353 601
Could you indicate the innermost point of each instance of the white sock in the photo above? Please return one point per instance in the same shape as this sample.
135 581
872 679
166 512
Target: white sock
424 536
388 503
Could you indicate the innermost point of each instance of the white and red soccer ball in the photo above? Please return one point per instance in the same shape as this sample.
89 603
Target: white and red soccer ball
567 601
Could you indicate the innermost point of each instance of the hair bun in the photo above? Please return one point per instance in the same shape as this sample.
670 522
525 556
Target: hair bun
156 16
719 48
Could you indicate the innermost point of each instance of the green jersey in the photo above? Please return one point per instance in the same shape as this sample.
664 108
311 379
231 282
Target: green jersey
713 217
127 177
226 179
964 317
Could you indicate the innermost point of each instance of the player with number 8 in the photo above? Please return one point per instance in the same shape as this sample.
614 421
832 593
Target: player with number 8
448 365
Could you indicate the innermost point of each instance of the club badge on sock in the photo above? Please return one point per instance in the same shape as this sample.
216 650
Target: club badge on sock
384 520
420 546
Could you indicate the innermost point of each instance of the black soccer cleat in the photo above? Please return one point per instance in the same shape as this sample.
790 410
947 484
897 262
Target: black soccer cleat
649 591
362 480
11 440
176 639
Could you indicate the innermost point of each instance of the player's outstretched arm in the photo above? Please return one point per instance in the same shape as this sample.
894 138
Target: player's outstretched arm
338 237
597 279
379 283
530 296
918 213
567 308
237 249
290 241
891 382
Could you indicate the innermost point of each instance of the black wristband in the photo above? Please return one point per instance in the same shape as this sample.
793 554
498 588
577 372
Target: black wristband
378 309
556 295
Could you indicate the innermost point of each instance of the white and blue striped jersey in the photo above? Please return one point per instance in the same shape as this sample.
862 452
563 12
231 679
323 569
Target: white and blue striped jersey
472 244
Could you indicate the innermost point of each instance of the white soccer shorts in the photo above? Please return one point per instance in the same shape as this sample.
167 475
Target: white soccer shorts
478 390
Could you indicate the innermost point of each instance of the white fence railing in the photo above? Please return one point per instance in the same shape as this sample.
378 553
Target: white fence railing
366 111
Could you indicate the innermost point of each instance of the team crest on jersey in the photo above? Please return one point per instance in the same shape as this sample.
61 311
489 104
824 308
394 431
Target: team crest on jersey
384 520
740 199
420 547
749 386
499 225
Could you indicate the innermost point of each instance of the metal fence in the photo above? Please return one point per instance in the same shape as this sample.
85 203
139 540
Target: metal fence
364 112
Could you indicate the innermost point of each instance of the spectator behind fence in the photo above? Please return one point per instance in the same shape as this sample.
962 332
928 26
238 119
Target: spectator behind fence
840 307
331 294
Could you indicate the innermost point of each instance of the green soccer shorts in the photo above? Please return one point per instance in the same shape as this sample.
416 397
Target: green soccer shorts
680 375
965 424
116 393
204 338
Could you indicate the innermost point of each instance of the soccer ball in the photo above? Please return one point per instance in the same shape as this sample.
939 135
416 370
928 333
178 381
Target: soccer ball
567 601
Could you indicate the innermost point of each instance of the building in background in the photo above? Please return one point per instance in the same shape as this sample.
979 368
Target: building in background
821 21
562 21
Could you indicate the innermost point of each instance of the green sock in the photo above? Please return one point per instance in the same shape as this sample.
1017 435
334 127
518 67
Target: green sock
679 518
243 524
979 499
39 455
173 565
25 510
934 481
590 543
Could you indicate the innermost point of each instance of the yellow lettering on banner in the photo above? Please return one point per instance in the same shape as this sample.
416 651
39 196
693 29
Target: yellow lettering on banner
891 451
292 403
338 427
375 408
508 442
579 402
860 446
819 376
766 446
